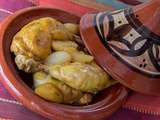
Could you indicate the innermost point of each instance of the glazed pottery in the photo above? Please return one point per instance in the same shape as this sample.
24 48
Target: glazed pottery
126 43
19 84
131 2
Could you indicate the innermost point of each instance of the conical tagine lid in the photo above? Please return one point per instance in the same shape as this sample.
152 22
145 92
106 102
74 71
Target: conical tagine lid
126 43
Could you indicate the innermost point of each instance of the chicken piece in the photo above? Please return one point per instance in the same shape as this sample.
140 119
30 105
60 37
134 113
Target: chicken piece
44 83
26 64
85 77
32 44
34 39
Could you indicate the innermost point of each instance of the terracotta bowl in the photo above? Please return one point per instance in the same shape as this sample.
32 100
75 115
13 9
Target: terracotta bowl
19 84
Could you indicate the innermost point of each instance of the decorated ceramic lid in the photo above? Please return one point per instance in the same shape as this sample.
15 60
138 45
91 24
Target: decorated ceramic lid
126 43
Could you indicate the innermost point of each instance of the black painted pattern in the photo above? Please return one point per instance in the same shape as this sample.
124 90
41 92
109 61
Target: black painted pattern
152 41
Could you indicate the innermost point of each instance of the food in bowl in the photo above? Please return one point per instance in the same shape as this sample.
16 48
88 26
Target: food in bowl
63 71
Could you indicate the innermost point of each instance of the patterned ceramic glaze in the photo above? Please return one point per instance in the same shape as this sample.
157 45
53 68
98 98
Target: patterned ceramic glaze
126 44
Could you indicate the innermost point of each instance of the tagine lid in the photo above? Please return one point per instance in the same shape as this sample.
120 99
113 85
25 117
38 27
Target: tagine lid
126 44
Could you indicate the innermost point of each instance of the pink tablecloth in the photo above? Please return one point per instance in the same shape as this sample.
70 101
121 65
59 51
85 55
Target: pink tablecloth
12 109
